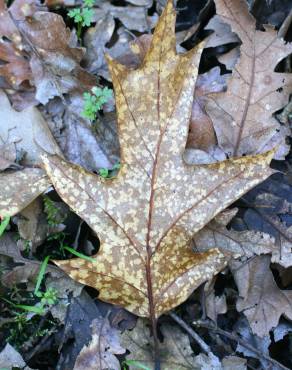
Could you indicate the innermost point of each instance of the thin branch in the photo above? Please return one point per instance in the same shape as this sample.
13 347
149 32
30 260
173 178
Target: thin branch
242 342
204 346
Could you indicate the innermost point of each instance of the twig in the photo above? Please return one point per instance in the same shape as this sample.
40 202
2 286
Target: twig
243 343
75 244
204 346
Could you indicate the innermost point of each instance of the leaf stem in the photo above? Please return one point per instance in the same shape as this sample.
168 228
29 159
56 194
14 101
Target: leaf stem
152 316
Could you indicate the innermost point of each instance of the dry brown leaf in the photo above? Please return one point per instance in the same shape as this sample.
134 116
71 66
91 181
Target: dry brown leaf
261 301
8 156
239 243
27 271
222 34
100 353
234 363
56 64
176 352
215 305
95 40
202 143
242 116
27 130
132 17
29 133
11 359
40 52
146 216
16 68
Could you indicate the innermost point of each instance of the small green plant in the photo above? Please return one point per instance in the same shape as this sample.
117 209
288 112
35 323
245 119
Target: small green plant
108 173
4 223
24 328
49 297
94 100
54 216
82 16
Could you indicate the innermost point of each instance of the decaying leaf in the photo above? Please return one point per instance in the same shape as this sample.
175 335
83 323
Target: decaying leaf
261 345
146 216
269 212
234 363
215 304
240 243
100 353
11 359
28 269
40 52
33 226
16 67
261 301
222 34
242 116
202 142
176 352
29 134
132 17
27 130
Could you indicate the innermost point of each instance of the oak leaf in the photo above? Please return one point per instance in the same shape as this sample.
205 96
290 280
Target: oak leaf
146 216
100 352
260 298
241 244
243 116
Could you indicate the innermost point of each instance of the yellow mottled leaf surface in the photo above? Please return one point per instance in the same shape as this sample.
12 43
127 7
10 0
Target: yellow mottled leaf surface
146 216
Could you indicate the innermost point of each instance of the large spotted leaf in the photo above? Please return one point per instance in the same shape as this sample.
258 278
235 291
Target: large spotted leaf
146 216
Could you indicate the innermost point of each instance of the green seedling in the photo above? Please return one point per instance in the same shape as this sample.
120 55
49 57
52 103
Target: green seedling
83 16
135 363
49 297
94 100
4 223
78 254
41 276
54 215
108 173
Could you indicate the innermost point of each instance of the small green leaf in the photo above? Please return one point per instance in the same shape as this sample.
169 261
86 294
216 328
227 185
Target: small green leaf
76 15
103 172
94 100
89 3
78 254
137 364
87 16
4 224
35 309
41 275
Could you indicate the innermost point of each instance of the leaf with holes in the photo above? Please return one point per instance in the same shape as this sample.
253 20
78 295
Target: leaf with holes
147 215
